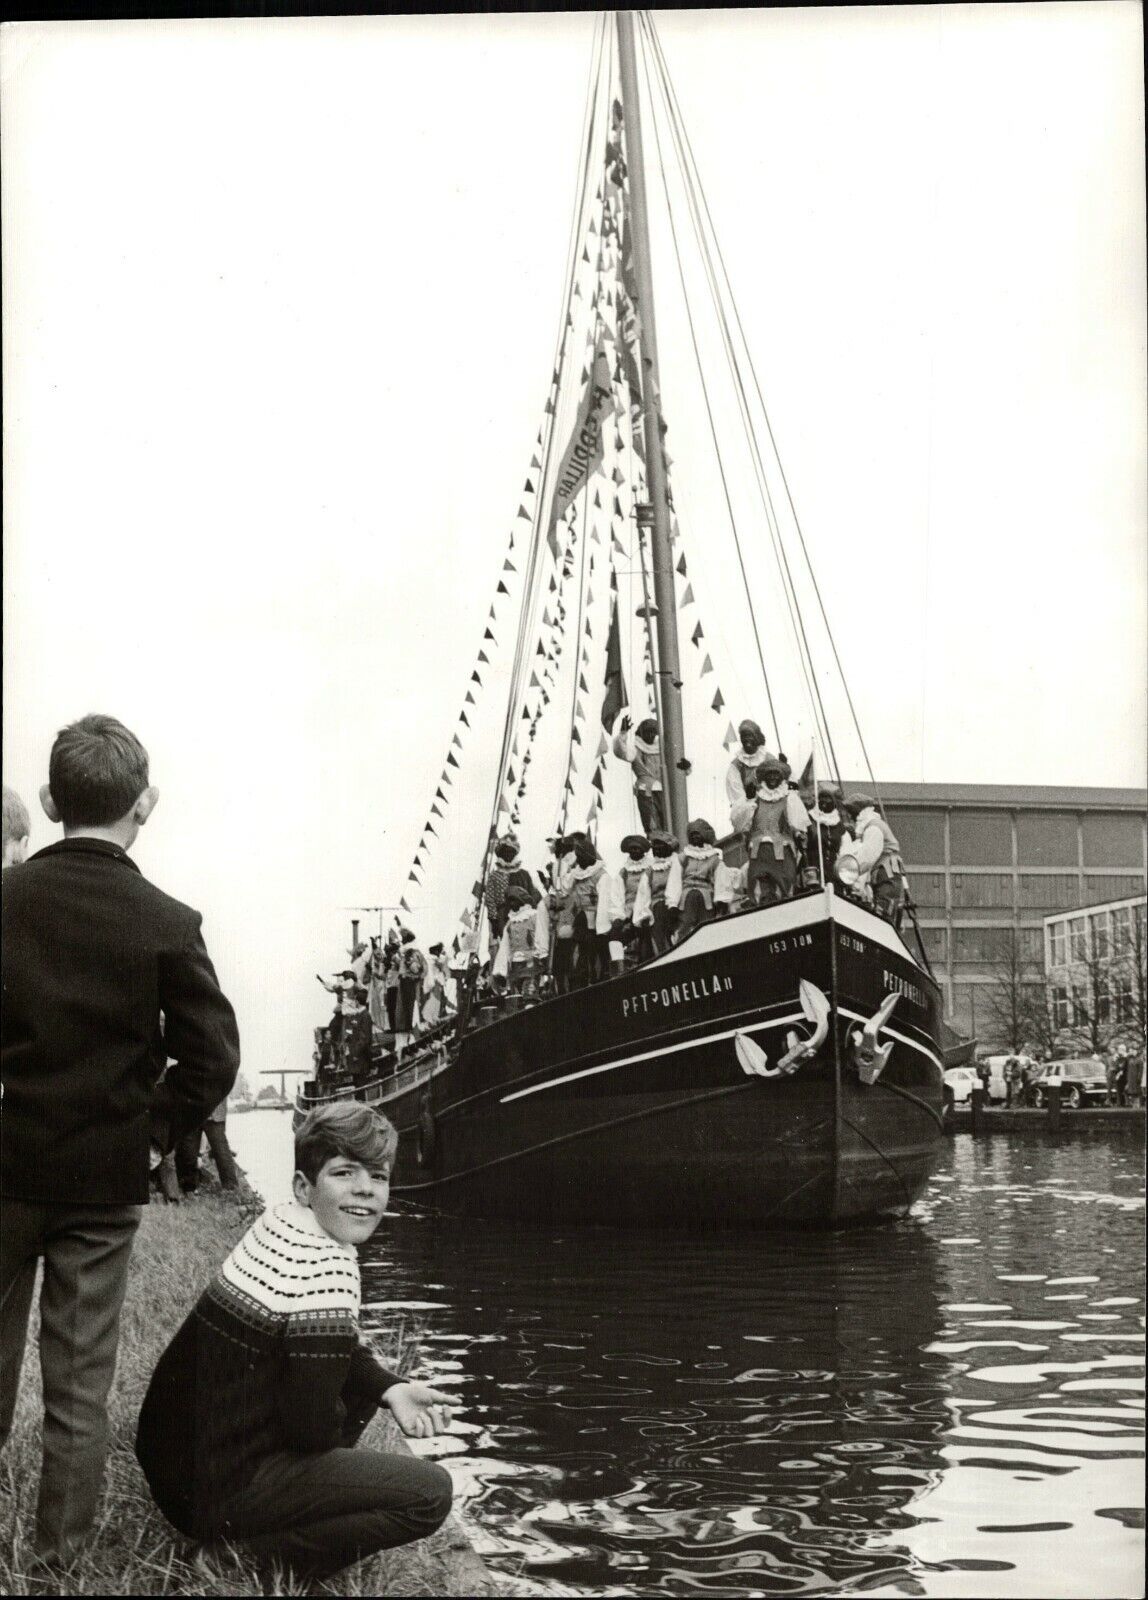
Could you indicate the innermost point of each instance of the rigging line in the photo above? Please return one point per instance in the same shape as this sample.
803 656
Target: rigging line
706 398
769 428
797 622
531 580
583 565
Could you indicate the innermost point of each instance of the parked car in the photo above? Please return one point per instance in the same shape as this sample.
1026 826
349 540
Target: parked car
959 1085
1082 1081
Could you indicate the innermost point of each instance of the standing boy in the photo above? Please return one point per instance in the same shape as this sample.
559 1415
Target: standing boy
248 1427
104 978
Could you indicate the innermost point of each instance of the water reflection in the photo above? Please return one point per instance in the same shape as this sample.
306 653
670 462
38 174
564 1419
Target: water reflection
949 1406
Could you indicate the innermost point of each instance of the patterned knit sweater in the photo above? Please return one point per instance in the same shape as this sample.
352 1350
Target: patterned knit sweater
270 1358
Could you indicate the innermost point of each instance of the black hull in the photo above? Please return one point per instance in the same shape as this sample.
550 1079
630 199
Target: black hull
627 1102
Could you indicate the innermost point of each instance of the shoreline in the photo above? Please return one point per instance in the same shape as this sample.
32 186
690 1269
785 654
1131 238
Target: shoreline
133 1549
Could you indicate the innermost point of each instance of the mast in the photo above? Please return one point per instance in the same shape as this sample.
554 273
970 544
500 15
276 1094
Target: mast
666 668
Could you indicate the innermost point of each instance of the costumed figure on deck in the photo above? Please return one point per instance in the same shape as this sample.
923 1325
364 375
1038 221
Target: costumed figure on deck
391 979
355 1049
561 914
699 863
590 907
776 831
525 943
434 1003
412 967
656 903
633 875
827 833
505 869
872 862
743 774
641 749
342 986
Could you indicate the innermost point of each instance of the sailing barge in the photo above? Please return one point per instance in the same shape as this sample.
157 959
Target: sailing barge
782 1065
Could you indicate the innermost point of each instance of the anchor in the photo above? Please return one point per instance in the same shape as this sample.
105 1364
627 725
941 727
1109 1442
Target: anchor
870 1057
753 1059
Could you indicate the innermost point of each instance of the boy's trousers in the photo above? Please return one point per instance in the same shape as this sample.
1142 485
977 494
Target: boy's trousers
85 1251
319 1513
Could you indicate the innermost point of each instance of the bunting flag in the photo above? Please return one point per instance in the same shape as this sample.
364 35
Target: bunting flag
707 666
718 702
616 696
697 635
688 597
682 566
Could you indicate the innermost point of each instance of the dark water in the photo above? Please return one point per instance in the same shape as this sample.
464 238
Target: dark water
949 1406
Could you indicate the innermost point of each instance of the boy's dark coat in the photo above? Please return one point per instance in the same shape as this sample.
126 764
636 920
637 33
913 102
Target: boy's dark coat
104 978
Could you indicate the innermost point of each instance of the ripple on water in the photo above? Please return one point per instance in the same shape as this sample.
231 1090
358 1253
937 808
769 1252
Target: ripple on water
891 1411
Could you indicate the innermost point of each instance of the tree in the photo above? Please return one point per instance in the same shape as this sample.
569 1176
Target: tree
1017 997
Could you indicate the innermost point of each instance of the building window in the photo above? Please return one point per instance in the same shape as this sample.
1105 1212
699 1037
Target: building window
1077 939
1047 839
1112 839
1030 946
928 890
921 835
1057 944
1098 932
981 838
1060 1006
977 889
1112 886
1049 891
982 944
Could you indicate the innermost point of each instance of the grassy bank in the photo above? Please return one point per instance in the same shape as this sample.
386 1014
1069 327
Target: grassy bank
134 1551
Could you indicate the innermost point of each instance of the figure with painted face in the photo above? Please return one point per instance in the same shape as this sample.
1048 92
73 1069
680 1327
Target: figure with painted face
633 875
827 833
699 864
743 775
524 944
776 834
641 748
506 869
656 900
873 859
591 905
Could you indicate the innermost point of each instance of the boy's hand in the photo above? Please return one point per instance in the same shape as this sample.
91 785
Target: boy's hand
419 1410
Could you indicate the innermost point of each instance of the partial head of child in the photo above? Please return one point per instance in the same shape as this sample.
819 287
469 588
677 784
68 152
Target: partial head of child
343 1158
98 781
17 828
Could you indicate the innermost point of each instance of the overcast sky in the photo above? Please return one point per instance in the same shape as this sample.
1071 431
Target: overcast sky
280 305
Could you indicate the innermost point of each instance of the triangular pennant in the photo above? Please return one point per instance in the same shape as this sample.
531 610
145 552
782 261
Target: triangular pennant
435 812
688 597
522 512
717 701
482 656
575 736
490 636
535 463
582 684
682 566
707 666
502 589
474 678
403 904
456 742
450 761
697 634
508 566
596 780
529 487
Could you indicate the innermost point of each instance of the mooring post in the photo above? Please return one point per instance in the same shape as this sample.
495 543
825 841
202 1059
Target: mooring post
977 1109
1054 1107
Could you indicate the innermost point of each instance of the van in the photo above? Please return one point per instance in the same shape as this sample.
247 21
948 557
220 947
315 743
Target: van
997 1091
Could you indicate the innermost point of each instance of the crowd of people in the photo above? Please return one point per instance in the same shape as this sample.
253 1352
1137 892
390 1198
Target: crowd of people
581 918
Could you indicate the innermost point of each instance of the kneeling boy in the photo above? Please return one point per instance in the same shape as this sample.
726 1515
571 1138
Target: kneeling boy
249 1423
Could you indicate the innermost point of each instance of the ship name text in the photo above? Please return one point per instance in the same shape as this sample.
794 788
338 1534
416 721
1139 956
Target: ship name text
676 994
903 986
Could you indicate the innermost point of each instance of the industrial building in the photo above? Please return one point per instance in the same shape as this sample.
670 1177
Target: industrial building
986 861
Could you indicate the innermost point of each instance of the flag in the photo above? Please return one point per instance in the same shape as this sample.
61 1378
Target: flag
616 696
583 453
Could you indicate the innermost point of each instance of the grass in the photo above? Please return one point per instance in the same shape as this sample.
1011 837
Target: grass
133 1549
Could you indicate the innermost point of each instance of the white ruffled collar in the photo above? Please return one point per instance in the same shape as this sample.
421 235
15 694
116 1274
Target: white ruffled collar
778 793
699 852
